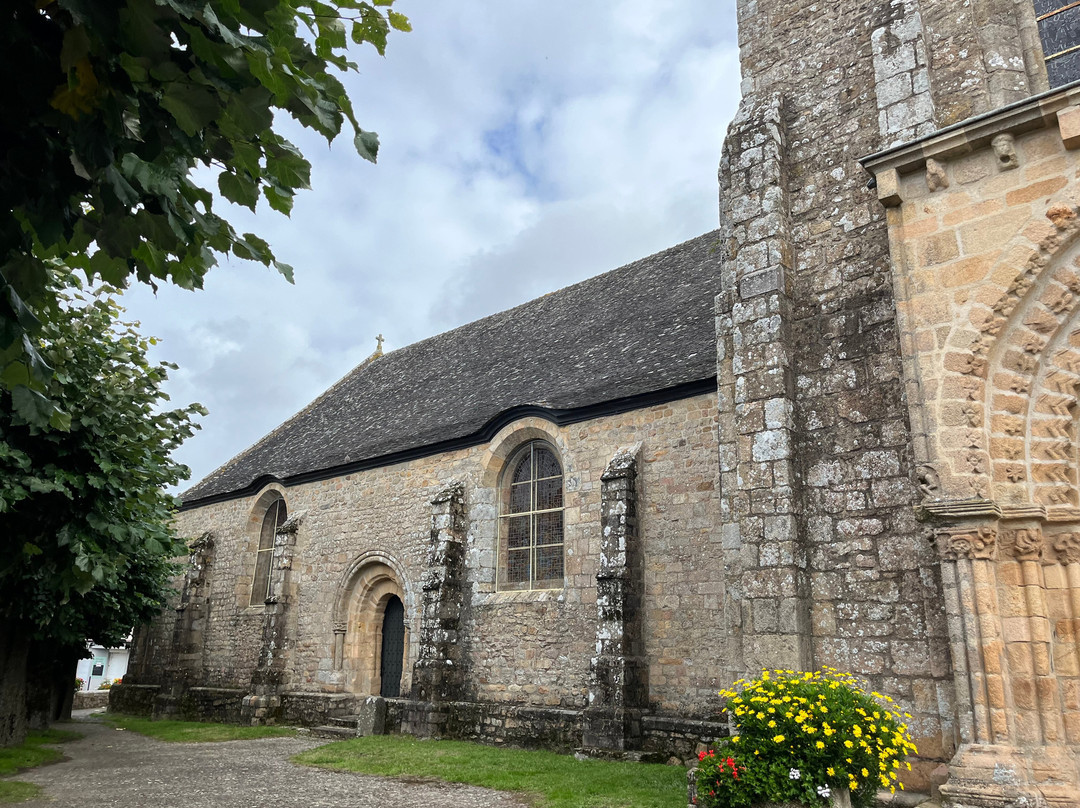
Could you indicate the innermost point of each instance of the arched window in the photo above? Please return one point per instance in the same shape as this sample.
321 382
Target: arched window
531 520
274 518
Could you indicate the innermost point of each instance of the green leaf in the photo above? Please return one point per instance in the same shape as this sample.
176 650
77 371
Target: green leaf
278 199
193 107
154 179
31 406
15 374
31 549
239 188
286 270
367 145
286 165
138 69
399 21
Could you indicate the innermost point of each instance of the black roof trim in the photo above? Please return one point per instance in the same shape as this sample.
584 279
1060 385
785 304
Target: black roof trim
483 435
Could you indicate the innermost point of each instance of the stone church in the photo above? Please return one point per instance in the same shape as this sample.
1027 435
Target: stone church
839 430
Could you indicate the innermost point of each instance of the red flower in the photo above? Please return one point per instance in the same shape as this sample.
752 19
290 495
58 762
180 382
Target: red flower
700 755
731 762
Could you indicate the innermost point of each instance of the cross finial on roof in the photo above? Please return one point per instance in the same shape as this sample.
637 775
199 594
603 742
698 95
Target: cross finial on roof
379 339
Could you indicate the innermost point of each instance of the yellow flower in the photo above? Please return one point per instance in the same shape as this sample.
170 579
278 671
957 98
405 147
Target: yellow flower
778 739
820 744
856 731
830 771
772 725
865 773
848 744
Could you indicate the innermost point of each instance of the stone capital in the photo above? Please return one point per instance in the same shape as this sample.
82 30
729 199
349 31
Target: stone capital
972 542
1026 543
1068 547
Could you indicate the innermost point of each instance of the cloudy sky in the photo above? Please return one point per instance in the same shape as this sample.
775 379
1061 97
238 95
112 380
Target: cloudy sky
526 145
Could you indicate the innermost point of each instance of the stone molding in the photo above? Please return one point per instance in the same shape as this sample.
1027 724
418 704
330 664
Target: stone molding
979 132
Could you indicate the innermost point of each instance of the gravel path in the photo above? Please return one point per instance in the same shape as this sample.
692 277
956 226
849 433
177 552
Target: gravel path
111 768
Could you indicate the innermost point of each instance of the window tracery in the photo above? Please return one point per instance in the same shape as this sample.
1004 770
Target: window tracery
531 520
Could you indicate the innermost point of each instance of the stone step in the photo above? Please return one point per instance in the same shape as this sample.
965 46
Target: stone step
344 721
334 732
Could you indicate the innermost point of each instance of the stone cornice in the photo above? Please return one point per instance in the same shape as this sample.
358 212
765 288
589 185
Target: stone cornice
1037 112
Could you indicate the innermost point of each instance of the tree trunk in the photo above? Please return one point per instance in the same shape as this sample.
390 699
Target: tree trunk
14 650
50 683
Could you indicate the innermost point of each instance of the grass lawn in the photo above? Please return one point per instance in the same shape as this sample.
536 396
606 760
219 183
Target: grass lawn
193 731
35 751
554 781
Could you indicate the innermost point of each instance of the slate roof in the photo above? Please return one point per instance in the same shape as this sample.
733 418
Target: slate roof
639 329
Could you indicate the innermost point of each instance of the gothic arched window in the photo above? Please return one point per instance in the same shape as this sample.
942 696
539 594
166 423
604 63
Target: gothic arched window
274 518
531 520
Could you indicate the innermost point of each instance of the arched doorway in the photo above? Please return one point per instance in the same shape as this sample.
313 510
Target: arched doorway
371 635
392 654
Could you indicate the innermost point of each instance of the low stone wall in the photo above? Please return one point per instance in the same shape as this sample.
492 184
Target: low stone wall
315 709
211 704
670 736
487 722
663 737
133 699
90 699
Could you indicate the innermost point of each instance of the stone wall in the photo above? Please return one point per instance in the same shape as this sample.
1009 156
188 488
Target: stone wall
90 699
521 648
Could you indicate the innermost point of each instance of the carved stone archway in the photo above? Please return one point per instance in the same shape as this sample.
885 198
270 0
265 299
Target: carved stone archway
987 282
368 585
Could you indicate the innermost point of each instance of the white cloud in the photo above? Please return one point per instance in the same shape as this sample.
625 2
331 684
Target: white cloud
526 146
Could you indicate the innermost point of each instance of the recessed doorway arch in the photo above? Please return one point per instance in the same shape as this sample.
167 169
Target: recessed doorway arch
371 643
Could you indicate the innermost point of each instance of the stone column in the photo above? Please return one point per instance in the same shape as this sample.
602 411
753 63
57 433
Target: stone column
438 675
1010 709
1067 546
618 674
765 561
339 645
269 676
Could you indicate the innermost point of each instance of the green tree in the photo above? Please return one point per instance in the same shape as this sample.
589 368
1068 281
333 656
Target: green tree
108 107
85 537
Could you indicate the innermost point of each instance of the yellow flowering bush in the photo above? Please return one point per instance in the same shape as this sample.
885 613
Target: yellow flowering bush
800 736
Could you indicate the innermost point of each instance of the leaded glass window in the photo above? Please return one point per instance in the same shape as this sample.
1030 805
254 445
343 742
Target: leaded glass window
531 521
1059 29
260 584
